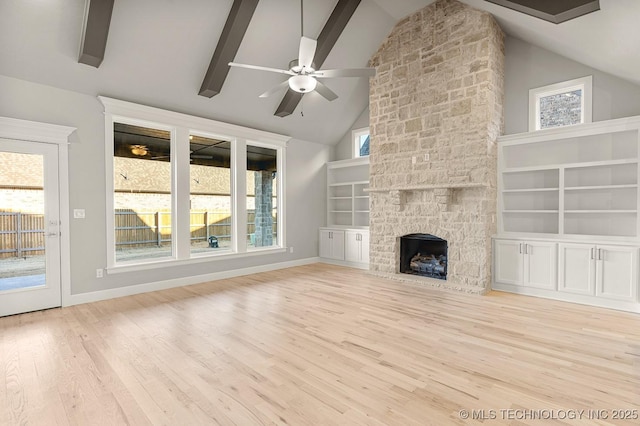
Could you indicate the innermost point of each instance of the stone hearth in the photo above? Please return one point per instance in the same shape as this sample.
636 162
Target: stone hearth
436 111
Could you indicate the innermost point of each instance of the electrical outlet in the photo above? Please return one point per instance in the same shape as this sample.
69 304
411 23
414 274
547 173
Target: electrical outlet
78 214
99 273
426 157
413 160
290 249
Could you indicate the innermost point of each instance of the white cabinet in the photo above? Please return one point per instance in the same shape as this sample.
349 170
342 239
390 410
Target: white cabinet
607 271
576 267
357 246
332 244
345 246
525 263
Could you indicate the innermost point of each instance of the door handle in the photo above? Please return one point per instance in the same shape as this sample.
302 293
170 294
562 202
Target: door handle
52 234
526 248
591 251
599 254
520 248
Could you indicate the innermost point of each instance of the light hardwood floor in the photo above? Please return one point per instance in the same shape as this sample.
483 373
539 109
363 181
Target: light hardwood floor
315 345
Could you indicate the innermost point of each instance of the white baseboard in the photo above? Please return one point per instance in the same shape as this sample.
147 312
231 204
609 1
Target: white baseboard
95 296
356 265
567 297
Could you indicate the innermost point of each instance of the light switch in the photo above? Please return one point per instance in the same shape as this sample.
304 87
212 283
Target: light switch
78 214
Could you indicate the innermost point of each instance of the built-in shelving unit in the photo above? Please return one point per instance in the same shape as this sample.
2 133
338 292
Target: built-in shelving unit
573 181
347 199
568 222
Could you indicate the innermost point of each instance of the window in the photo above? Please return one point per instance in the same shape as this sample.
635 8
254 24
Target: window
210 197
560 104
360 142
142 192
262 196
187 189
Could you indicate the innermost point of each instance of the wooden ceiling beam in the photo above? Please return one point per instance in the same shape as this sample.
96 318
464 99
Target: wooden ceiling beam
228 44
328 37
95 30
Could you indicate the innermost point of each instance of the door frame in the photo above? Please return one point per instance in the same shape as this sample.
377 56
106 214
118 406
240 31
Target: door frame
33 131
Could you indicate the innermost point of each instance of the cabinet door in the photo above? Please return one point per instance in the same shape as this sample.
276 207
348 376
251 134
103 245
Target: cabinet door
325 243
617 272
352 246
577 268
540 261
364 247
337 245
509 268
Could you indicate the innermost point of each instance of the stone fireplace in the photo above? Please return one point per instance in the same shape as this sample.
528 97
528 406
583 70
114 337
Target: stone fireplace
435 114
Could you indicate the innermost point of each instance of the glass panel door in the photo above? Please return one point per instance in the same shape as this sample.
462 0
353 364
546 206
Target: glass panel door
29 227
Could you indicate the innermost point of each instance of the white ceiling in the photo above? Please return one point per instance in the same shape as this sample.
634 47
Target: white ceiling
158 52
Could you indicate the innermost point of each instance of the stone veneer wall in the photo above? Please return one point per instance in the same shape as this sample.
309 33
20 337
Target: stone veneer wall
438 91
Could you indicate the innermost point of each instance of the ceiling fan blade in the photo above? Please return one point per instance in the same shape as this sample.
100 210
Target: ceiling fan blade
275 89
307 51
347 72
259 68
326 92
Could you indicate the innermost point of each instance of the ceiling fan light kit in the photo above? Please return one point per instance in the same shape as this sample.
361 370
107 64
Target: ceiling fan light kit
303 73
302 83
140 150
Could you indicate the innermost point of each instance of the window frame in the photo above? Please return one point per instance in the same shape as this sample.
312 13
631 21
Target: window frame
586 102
180 127
280 167
355 141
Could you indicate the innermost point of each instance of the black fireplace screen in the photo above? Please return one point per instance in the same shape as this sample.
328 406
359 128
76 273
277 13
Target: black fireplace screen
423 254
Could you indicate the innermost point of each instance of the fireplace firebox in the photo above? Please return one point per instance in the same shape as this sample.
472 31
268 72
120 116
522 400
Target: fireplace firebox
423 254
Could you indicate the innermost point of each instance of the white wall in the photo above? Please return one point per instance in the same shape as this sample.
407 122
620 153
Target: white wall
343 149
528 66
305 190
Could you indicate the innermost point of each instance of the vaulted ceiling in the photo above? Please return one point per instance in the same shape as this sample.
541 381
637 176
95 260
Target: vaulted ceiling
158 53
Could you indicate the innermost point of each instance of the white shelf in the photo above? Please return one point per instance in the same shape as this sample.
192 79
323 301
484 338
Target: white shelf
571 165
587 188
531 211
578 181
346 199
599 211
601 163
508 191
358 182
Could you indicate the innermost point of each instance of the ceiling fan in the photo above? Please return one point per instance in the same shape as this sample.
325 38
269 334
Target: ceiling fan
302 72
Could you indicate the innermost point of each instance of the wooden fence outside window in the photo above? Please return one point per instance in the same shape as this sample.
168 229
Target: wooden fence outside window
22 234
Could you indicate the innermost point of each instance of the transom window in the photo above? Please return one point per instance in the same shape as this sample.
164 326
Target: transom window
561 104
361 140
